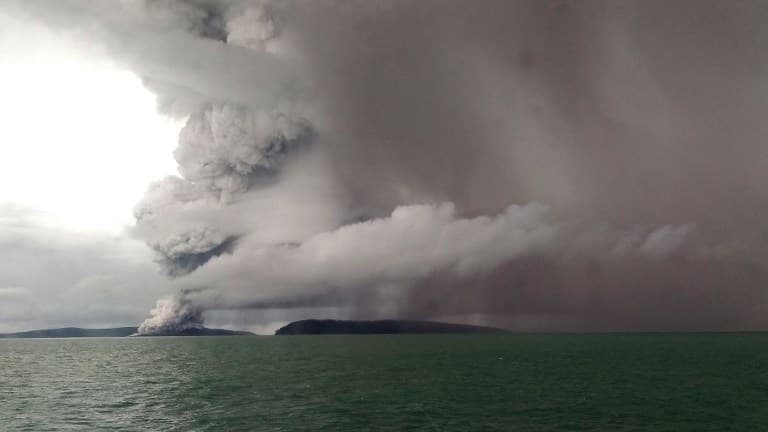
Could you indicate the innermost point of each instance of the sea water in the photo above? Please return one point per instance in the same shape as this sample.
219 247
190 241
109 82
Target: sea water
649 382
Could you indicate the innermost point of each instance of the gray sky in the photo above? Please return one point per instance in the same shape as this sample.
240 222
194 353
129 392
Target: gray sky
542 165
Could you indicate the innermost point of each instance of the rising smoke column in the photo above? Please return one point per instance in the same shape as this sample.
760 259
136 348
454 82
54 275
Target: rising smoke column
225 149
223 152
172 315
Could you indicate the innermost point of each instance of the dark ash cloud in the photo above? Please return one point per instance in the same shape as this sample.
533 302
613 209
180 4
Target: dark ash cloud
602 164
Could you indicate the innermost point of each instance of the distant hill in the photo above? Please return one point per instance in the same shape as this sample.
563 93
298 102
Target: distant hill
76 332
315 327
72 332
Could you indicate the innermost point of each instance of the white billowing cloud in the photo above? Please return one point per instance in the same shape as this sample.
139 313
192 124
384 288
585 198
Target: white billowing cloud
187 223
223 145
414 242
172 315
390 254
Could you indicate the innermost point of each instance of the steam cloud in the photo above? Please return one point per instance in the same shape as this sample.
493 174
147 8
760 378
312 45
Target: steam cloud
322 136
171 316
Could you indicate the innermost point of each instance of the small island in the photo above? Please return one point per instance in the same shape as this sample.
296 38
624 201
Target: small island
329 326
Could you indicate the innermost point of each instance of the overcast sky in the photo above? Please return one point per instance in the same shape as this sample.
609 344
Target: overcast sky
539 165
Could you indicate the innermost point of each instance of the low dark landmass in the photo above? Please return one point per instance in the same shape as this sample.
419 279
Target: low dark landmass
314 327
76 332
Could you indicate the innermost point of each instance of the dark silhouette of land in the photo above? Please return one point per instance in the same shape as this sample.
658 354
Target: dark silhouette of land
76 332
304 327
314 327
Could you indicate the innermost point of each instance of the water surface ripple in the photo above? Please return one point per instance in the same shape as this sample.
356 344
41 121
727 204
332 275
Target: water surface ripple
672 382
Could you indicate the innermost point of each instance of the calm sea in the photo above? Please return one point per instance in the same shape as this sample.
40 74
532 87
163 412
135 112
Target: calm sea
673 382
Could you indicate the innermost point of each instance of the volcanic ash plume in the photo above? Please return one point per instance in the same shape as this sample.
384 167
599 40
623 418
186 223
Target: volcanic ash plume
416 243
226 149
183 253
320 137
172 315
411 244
395 135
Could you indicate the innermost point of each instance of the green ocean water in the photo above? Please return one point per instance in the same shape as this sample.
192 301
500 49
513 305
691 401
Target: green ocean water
650 382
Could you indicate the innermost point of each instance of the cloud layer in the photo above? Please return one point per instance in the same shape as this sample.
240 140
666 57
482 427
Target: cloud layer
321 138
